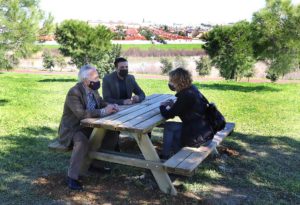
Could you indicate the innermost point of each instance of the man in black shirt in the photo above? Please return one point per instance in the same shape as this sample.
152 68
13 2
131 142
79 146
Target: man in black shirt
119 87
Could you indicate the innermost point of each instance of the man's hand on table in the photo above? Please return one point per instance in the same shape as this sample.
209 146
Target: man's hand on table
111 108
135 99
127 102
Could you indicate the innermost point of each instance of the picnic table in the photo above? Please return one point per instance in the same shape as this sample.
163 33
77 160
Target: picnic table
138 120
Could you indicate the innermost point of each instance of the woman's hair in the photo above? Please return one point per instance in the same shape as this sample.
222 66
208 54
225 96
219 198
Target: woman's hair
181 77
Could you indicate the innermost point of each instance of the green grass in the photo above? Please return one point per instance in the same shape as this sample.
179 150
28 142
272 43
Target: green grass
148 46
267 137
162 46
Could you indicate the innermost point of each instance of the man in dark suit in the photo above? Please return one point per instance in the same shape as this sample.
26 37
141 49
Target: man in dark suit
119 86
83 101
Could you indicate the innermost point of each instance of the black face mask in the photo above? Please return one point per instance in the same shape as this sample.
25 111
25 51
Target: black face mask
94 85
171 86
123 73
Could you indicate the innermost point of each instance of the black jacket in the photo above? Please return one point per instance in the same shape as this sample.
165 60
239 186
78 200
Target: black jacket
111 92
190 107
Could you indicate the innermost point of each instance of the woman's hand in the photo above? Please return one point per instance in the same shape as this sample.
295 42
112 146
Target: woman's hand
167 103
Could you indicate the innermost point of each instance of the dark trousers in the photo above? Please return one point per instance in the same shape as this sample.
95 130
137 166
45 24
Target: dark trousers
80 148
172 138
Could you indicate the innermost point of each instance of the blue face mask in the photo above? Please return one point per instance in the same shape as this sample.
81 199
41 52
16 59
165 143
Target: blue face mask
94 85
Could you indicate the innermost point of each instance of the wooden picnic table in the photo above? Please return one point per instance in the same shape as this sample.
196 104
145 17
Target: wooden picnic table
137 120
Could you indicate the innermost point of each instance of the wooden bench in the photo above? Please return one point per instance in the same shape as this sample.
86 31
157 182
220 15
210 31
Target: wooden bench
186 161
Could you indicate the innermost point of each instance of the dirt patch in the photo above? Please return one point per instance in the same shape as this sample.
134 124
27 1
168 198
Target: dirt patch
108 190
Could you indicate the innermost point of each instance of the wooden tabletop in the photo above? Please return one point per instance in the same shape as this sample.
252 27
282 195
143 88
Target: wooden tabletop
139 118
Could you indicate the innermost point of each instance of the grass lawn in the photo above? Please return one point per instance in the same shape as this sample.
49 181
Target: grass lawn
148 46
266 169
162 46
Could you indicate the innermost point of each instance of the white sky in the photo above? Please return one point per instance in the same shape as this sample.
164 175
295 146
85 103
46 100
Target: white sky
156 11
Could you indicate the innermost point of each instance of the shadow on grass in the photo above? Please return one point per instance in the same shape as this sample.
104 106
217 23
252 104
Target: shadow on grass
23 157
31 174
57 80
239 88
3 102
263 172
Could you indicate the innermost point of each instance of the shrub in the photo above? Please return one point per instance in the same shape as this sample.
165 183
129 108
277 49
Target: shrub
166 65
203 65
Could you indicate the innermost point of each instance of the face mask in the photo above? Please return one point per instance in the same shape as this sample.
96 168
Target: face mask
171 86
94 85
123 73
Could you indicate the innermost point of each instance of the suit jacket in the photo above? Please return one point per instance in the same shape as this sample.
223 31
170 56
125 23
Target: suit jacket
74 111
110 88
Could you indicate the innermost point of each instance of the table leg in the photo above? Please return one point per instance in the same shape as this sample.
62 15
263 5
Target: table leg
161 176
95 142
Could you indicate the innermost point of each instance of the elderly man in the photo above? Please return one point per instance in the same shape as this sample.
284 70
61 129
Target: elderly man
119 86
83 101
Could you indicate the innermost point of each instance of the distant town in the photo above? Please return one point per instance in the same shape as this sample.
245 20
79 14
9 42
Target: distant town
149 32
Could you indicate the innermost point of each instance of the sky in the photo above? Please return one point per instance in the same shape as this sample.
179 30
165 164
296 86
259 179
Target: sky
189 12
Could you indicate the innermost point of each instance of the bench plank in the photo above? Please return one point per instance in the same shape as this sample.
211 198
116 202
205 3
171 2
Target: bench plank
130 161
194 156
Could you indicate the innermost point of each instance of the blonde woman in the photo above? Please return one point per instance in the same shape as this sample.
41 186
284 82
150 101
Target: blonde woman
190 107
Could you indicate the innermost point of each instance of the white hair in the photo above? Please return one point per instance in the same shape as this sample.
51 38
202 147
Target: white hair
83 73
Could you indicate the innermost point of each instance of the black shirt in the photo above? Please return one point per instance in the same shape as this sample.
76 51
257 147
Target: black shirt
122 89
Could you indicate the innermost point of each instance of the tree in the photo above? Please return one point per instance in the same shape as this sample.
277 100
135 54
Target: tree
20 28
60 61
166 65
231 50
106 65
48 60
83 43
146 33
120 33
250 73
276 34
203 65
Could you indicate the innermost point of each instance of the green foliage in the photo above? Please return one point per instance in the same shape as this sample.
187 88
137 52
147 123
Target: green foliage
180 62
146 33
60 61
273 76
119 33
20 29
249 74
48 60
106 65
203 65
276 31
181 33
230 48
52 58
83 43
166 65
